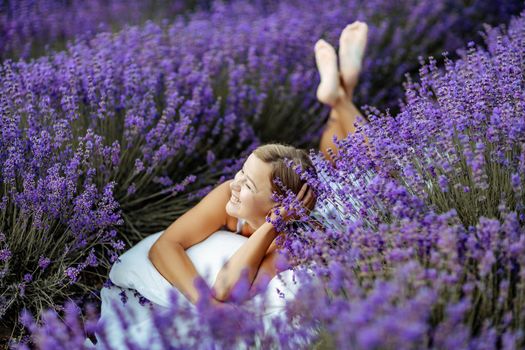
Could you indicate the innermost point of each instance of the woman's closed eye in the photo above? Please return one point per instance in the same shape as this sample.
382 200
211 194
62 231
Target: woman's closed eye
246 180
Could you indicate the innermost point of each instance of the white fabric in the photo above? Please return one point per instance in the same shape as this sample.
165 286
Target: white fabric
136 272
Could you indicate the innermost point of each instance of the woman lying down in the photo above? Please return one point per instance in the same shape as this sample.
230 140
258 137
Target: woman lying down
227 232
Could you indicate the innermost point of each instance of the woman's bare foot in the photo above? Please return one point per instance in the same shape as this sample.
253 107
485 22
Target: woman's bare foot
329 89
352 44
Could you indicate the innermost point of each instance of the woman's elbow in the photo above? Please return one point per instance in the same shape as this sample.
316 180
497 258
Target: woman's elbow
153 252
222 297
220 289
224 289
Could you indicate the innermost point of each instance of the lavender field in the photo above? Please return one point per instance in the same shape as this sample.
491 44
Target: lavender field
116 117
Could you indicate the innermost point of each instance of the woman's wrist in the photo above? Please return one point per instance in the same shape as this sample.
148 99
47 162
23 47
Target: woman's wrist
269 229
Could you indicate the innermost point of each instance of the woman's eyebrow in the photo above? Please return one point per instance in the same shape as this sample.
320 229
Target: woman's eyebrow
249 178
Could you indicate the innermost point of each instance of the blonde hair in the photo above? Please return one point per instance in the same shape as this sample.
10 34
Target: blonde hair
276 154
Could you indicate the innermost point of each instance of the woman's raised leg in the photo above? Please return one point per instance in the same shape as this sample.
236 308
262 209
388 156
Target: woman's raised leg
332 127
337 85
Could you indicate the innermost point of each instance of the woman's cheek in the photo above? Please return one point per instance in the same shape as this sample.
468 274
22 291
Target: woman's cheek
244 196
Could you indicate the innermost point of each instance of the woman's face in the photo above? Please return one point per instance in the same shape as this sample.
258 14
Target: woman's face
251 192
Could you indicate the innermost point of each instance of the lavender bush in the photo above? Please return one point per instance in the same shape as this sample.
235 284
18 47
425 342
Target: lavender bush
28 28
54 217
204 325
401 262
139 110
426 250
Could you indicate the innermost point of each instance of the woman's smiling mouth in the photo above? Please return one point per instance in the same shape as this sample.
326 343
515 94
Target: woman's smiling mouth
235 199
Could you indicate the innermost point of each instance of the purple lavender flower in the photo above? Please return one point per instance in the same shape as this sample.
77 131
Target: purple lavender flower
28 278
43 262
5 254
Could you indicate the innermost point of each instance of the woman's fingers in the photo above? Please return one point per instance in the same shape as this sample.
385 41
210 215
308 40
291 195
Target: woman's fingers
302 192
307 197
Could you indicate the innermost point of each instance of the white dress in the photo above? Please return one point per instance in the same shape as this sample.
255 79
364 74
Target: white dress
137 282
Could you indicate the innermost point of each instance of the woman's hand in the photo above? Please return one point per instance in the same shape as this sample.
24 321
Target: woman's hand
306 199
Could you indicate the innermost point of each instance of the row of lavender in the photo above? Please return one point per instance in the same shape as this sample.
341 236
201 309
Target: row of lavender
28 28
129 129
436 257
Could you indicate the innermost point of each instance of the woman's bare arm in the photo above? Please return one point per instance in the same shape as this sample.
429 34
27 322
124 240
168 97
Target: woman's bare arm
248 256
168 253
267 270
